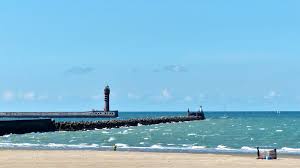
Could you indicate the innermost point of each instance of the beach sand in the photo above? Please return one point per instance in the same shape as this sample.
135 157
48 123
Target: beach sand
94 159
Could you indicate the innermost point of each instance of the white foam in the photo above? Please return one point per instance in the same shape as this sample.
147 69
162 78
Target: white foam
50 145
224 117
156 146
125 132
120 145
18 145
192 134
262 129
248 148
166 133
222 147
198 147
105 132
286 149
6 136
94 145
279 130
56 145
139 125
111 139
151 130
82 145
62 131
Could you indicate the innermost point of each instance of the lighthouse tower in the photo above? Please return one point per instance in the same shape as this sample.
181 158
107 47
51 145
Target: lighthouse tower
106 98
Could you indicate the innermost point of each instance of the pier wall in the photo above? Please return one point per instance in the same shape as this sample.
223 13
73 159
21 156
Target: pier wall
26 126
87 114
48 125
76 126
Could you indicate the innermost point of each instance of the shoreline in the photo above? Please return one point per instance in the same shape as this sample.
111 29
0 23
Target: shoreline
246 154
88 158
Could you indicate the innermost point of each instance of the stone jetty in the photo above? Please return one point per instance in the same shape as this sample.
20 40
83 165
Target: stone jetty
26 126
49 125
86 125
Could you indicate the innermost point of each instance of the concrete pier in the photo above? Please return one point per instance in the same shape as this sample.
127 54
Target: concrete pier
87 114
26 126
48 125
77 126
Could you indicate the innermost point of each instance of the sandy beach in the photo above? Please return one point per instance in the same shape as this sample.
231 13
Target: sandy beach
92 159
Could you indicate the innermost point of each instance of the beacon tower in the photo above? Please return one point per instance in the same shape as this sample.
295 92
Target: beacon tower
106 98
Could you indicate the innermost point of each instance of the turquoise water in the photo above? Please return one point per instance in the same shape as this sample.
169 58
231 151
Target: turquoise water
221 132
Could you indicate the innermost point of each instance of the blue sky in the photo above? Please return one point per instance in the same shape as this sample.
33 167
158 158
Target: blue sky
155 55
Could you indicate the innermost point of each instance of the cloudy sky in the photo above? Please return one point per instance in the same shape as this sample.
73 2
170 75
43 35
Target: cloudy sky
155 55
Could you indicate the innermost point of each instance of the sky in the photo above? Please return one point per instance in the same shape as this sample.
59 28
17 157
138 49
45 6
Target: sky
155 55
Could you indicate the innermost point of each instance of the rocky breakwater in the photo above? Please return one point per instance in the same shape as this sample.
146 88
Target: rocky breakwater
77 126
26 126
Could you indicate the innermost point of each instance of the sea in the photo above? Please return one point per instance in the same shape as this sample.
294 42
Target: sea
221 132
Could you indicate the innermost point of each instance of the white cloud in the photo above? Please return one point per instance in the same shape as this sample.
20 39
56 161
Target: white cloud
8 95
42 97
60 98
188 98
77 70
272 94
172 68
175 68
96 97
202 97
166 94
133 96
29 96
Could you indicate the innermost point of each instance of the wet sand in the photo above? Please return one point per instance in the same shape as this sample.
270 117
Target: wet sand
92 159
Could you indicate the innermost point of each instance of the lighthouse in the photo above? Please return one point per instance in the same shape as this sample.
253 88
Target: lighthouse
106 98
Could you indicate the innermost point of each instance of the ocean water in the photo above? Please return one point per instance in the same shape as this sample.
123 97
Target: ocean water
221 132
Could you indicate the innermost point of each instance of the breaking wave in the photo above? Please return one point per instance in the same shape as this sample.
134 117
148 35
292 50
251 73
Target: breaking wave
153 148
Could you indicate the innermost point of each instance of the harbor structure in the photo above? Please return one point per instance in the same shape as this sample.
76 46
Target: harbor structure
106 113
106 98
49 125
199 113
